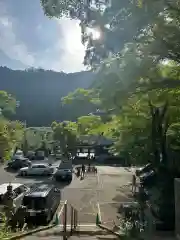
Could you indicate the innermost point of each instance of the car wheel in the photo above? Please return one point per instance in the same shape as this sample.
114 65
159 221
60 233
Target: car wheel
24 174
46 173
50 216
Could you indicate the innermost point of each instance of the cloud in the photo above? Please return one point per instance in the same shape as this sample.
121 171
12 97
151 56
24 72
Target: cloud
70 46
64 52
39 27
9 44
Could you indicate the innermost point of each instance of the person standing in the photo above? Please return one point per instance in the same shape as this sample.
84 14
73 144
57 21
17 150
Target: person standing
134 184
82 171
89 167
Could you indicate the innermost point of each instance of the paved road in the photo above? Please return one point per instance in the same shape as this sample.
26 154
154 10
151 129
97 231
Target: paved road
114 190
99 193
6 177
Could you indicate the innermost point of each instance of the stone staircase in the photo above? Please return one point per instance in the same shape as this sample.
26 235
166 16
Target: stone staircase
82 232
67 225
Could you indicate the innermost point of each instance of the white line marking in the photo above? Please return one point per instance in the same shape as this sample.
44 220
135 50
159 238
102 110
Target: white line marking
98 178
121 202
99 211
80 225
62 208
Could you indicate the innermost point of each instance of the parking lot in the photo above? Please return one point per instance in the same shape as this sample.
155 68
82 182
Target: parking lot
114 183
101 193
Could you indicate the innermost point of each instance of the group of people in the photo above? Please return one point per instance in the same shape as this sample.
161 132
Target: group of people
15 218
82 170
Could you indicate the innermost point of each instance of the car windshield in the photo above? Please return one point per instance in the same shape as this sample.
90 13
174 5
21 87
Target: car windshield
36 203
18 154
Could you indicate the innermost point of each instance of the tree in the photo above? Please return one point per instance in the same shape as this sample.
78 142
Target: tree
11 132
135 43
81 102
65 134
8 103
118 22
88 123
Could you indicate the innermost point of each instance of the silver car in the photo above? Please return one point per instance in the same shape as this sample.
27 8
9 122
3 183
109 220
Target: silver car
37 169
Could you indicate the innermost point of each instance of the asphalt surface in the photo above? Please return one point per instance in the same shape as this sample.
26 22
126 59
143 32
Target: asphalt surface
10 176
96 194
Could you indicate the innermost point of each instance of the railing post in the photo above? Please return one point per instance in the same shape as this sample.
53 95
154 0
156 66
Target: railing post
72 219
65 222
75 219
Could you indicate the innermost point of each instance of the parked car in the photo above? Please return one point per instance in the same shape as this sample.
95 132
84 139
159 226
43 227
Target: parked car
148 167
18 155
36 169
19 191
58 154
42 202
63 174
31 155
18 163
40 155
64 171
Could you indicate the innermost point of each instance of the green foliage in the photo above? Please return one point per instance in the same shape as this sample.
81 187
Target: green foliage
35 137
11 135
138 58
81 95
65 135
88 123
4 233
81 101
118 22
7 103
11 132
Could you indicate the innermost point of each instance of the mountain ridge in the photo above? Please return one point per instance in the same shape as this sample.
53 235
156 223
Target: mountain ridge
39 92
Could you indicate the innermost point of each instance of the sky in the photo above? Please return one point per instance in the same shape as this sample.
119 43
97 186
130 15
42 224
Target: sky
30 39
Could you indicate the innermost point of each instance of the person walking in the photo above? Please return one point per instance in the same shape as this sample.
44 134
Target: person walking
133 184
82 171
89 167
21 217
78 172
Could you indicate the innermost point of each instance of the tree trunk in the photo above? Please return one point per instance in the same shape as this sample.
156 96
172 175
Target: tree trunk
158 133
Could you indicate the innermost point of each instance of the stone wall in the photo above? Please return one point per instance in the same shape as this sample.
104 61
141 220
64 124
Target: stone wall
177 206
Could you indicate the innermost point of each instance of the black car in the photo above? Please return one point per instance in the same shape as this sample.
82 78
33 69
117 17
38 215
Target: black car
18 163
63 175
41 202
148 167
31 155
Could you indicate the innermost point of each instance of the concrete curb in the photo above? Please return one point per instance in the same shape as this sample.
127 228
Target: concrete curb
110 230
31 232
77 232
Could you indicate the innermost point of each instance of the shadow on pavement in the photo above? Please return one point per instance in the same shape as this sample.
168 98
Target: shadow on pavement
10 170
45 180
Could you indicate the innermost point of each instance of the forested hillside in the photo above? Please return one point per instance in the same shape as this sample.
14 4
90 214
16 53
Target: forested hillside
39 93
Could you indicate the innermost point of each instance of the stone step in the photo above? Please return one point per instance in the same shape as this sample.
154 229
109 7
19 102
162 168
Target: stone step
81 229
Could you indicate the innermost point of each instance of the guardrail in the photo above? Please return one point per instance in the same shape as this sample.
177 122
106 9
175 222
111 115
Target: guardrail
63 215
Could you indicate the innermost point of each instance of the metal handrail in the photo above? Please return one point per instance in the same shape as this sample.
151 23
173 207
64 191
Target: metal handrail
74 219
